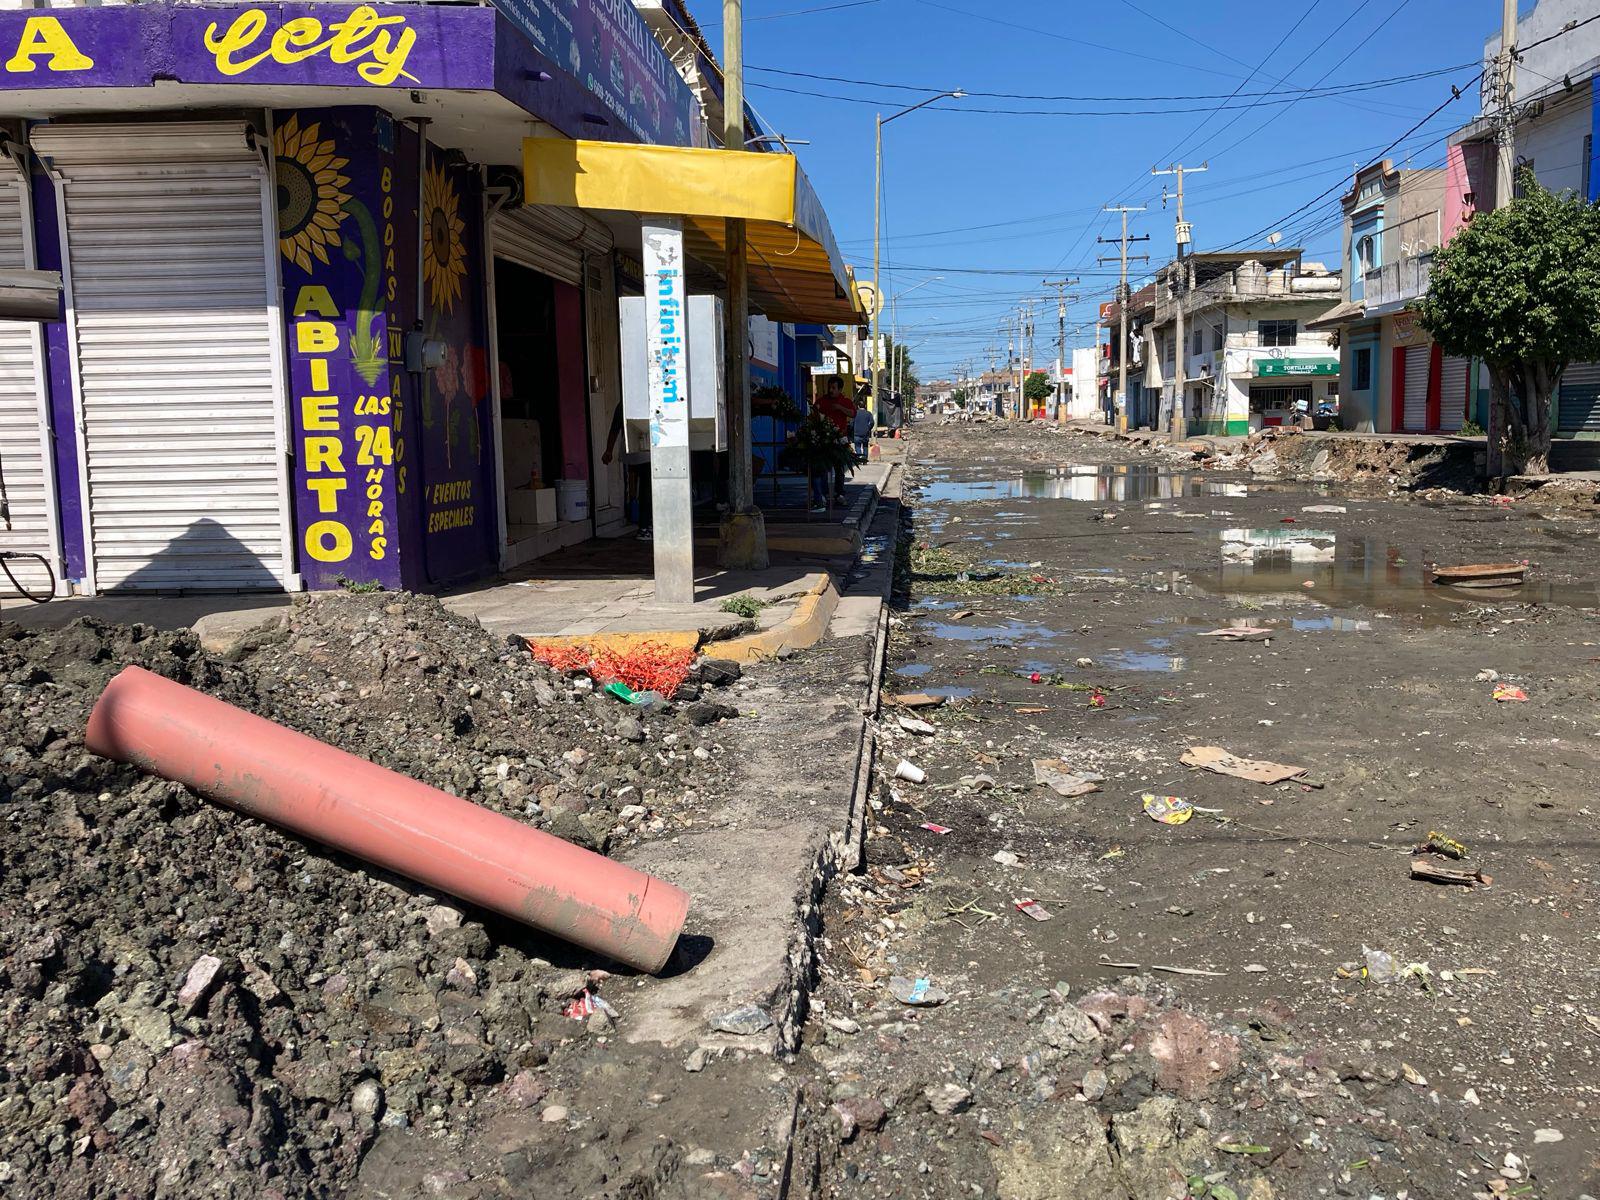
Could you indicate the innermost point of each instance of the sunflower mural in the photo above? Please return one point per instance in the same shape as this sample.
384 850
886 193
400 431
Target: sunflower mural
444 253
311 199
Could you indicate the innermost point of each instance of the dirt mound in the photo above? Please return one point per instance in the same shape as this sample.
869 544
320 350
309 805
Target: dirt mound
197 1002
1371 458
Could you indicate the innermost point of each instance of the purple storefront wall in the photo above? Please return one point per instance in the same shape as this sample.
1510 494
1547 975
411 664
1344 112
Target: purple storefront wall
393 477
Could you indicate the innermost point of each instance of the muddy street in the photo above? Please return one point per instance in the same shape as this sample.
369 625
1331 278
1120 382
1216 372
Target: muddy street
1223 985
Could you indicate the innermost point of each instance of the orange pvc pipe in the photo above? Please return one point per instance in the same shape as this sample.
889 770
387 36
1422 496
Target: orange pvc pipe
260 768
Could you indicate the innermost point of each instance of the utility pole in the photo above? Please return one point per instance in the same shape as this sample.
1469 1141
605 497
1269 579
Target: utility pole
1061 286
1122 304
1185 233
993 353
742 538
1506 117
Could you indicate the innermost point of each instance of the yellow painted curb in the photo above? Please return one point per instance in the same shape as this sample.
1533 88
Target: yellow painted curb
623 643
803 627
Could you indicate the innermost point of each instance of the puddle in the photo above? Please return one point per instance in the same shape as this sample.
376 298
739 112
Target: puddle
1011 631
1105 482
914 670
1283 565
1143 660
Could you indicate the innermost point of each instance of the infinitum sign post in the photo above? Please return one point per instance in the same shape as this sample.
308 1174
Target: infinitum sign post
667 352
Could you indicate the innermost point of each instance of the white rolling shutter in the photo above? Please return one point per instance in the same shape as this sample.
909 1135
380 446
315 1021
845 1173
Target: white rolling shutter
1415 416
1454 373
173 309
542 239
27 481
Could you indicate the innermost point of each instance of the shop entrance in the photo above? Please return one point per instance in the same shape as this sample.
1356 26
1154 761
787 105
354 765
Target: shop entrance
544 432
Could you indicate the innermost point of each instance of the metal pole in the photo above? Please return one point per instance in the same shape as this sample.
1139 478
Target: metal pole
877 285
1180 380
742 538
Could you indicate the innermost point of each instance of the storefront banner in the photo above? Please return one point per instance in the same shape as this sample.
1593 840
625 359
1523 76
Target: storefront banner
1266 367
304 44
342 207
607 47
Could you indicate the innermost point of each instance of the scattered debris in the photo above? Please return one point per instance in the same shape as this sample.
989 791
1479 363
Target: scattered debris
1241 633
745 1020
1055 775
916 700
910 772
918 993
948 1099
913 725
1324 508
1169 810
1033 909
941 830
1440 843
1432 872
1509 693
1005 858
1220 762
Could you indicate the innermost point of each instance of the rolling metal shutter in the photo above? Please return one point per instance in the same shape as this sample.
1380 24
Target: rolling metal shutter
547 240
1580 399
28 520
1415 416
1454 374
173 312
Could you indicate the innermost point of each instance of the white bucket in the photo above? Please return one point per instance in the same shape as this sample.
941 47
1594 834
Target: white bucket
572 499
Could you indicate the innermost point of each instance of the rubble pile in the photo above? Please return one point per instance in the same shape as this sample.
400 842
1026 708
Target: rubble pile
1398 463
192 1001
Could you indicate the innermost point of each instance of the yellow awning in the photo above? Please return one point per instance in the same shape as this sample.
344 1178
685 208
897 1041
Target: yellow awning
795 272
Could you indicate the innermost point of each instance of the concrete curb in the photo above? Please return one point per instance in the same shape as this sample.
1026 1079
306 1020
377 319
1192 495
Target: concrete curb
803 627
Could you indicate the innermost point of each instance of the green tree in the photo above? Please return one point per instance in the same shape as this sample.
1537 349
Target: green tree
959 397
899 359
1037 388
1519 288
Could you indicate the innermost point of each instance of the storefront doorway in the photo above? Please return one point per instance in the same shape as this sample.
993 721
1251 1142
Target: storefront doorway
544 430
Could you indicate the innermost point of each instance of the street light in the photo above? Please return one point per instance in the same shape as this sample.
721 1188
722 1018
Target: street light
877 229
894 334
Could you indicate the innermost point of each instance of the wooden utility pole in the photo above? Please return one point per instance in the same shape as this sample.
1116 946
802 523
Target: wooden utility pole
1061 286
1179 426
1505 114
742 539
1121 401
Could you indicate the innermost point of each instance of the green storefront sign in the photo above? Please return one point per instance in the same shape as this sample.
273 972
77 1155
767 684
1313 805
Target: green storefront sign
1296 366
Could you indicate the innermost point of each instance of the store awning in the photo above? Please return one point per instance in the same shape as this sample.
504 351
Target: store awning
796 273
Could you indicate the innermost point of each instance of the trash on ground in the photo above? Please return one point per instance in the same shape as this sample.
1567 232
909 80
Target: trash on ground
1220 762
745 1020
917 700
1084 664
919 993
913 725
1509 693
1380 966
1133 966
1241 633
1325 508
1059 778
1481 575
1440 843
1413 1076
1432 872
1033 909
1097 699
910 772
1005 858
1169 810
960 614
1487 675
941 830
585 1005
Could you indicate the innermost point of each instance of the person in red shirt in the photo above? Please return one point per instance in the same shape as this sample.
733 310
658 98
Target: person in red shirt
837 407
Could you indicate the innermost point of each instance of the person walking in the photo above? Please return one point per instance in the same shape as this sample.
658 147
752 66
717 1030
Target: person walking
861 428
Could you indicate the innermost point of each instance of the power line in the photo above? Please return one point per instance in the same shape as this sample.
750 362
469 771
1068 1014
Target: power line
1387 81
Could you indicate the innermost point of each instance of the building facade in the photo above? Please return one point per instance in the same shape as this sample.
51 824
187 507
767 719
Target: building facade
1249 357
310 333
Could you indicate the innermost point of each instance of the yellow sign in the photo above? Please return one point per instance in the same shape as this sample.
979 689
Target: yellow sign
363 34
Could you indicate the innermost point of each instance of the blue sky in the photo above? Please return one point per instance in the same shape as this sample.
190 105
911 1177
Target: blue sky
969 192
